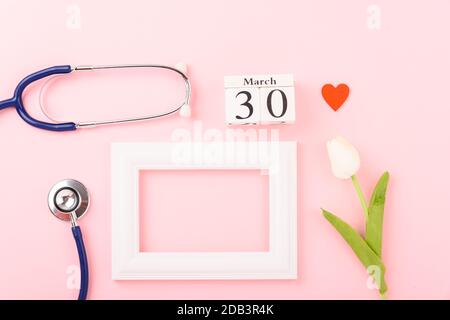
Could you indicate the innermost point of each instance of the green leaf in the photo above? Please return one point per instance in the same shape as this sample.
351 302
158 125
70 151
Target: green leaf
374 225
360 247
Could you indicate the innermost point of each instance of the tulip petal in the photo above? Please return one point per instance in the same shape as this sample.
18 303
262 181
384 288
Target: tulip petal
344 158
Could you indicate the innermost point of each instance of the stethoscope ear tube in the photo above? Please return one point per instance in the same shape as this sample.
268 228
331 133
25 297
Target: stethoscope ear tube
78 236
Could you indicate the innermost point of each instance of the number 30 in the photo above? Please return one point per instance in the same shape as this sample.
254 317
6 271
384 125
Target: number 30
269 105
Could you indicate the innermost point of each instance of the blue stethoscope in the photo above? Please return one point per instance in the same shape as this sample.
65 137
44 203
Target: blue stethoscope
17 102
68 200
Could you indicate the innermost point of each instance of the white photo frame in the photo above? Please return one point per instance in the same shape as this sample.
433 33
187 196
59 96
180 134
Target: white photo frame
277 159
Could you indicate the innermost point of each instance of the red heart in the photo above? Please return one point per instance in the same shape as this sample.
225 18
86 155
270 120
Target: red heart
335 96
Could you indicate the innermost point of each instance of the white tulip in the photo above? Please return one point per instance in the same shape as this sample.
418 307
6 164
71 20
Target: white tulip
344 158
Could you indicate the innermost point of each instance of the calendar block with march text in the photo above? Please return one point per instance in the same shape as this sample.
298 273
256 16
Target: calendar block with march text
259 99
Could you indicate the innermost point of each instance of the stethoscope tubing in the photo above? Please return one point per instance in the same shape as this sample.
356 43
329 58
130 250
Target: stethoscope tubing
84 270
17 102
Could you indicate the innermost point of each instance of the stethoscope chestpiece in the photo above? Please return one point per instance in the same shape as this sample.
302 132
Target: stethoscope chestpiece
68 200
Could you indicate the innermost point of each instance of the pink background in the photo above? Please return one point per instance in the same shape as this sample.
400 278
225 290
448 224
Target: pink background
397 116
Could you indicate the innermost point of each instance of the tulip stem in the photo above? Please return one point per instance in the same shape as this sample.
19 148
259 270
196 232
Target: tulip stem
361 196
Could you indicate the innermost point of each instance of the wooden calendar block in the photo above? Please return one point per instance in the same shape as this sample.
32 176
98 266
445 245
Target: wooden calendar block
242 105
277 105
259 99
